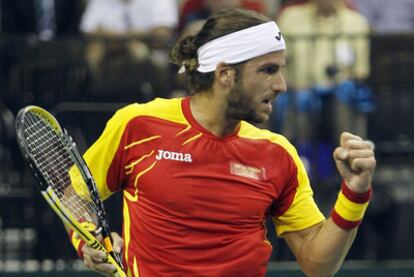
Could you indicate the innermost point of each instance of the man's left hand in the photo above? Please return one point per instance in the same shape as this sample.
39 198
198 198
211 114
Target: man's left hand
355 161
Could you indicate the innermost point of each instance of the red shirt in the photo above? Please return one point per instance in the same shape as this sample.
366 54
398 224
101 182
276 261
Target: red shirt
195 204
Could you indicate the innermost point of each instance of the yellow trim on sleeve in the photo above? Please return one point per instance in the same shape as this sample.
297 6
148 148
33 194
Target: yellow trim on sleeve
303 212
100 155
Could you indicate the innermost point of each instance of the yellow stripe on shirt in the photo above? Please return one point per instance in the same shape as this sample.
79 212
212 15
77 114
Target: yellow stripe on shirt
100 155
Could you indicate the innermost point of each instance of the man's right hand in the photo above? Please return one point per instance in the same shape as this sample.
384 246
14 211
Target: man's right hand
97 260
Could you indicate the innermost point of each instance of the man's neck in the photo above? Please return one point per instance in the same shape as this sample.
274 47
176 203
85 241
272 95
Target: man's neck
209 111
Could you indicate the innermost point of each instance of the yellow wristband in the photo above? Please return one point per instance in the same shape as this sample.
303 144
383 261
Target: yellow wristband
350 207
349 210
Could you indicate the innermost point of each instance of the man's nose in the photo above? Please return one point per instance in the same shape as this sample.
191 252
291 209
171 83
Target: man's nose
279 83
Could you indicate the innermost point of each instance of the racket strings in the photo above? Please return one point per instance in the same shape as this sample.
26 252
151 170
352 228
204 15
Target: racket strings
54 162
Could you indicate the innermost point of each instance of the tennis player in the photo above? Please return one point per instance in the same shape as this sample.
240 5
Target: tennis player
199 180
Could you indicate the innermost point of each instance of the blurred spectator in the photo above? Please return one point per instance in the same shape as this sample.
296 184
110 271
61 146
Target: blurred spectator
328 58
333 34
385 16
288 3
45 18
126 50
194 12
152 21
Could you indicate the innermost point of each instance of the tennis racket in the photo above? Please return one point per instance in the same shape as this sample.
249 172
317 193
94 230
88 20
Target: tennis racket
64 178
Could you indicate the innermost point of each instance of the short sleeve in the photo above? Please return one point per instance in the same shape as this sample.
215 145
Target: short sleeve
101 156
297 209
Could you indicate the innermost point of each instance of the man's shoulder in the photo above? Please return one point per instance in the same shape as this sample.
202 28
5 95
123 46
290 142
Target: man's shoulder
167 109
249 131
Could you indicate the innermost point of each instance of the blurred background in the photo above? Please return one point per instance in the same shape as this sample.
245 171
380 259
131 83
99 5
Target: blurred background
350 66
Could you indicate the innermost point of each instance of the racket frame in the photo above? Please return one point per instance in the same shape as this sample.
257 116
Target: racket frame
53 200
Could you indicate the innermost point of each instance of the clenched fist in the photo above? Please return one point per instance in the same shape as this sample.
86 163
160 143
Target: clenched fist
355 160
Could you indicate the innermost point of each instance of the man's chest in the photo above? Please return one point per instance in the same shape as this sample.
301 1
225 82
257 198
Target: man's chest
202 178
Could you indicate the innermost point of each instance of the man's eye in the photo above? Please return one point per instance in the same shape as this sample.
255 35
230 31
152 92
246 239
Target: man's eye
270 69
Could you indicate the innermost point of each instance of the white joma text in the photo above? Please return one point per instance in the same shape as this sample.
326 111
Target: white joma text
167 155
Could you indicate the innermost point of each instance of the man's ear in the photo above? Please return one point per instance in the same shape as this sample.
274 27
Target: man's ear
225 74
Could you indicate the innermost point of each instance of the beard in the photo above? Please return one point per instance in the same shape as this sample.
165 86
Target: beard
240 106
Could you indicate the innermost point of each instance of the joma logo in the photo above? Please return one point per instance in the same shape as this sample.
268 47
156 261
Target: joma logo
167 155
279 36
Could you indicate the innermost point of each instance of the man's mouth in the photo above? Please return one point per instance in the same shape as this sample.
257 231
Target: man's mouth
268 100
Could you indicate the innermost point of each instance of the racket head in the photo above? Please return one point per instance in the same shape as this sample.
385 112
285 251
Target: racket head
62 174
24 116
47 150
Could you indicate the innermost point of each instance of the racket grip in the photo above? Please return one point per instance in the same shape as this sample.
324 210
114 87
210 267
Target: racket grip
109 248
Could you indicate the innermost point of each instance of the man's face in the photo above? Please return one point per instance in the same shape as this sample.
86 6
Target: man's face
259 82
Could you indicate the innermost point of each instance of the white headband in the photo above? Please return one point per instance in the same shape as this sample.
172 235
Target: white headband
240 46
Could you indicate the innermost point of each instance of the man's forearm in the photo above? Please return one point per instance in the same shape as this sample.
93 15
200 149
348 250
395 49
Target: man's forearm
326 246
325 251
